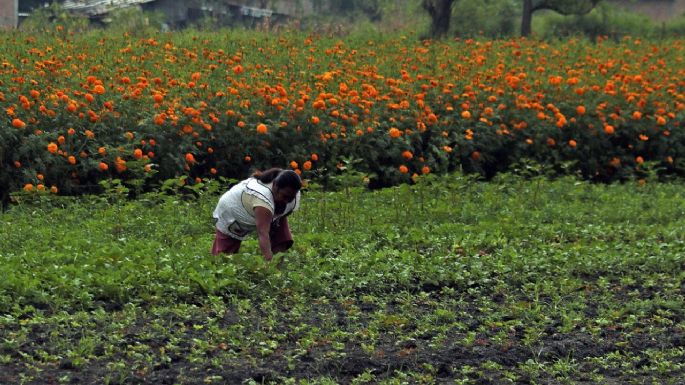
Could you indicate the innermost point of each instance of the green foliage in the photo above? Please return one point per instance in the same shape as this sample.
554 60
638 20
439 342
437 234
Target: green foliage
368 8
491 18
604 20
527 281
564 7
51 17
672 28
134 20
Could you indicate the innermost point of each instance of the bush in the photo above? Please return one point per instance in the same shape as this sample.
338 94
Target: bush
196 104
49 18
606 20
134 20
491 18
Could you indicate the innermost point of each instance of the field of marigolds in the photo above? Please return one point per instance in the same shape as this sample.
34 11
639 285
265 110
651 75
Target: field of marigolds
476 211
83 108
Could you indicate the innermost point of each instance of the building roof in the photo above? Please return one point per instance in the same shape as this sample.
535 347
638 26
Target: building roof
98 7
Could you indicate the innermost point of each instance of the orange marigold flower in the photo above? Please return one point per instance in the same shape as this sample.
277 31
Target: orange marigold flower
54 189
190 158
99 89
315 120
293 164
261 128
28 187
572 143
315 157
52 147
307 165
103 166
120 164
407 154
138 153
71 159
639 160
425 170
404 169
466 114
609 129
395 133
18 123
580 110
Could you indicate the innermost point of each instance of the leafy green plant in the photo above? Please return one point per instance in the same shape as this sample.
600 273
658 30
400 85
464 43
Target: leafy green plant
584 285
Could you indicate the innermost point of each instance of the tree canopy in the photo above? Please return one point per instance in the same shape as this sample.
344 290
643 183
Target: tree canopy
440 12
564 7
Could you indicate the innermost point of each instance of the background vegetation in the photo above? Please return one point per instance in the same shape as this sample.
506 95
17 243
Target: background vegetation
489 18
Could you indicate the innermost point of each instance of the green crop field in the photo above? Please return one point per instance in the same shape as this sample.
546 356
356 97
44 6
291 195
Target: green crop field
446 281
504 211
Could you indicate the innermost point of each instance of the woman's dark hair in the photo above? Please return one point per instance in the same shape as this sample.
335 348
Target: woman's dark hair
281 178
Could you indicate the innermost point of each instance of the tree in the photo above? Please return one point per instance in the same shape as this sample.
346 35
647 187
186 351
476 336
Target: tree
370 8
440 12
564 7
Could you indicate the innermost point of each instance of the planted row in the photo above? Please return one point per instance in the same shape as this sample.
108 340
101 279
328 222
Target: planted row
83 108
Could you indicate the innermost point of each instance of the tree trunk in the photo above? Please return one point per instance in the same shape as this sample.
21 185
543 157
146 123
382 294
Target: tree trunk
440 12
527 18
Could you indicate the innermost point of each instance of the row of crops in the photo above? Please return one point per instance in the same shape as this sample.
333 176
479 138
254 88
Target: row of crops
79 109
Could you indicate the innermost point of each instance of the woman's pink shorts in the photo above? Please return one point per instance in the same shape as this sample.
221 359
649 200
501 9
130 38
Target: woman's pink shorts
281 240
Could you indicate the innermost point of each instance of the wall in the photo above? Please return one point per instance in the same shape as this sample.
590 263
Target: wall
8 13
